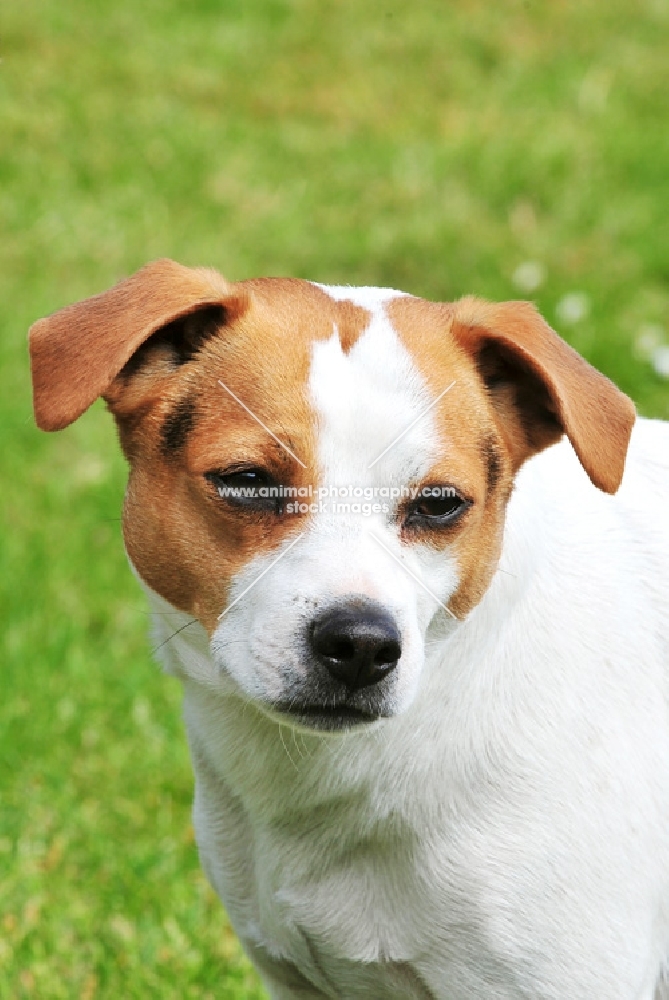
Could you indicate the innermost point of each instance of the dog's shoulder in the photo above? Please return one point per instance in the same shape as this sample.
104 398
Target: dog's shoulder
648 458
578 551
552 491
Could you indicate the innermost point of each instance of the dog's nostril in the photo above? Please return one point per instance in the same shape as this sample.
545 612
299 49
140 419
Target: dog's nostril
337 649
357 642
390 653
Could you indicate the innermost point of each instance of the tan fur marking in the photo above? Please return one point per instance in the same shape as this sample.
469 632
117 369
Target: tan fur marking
463 417
353 322
185 541
539 387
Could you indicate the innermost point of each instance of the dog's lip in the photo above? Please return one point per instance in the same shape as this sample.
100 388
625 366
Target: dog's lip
343 713
333 710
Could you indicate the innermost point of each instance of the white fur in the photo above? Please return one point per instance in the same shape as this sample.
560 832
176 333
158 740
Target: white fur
505 835
366 296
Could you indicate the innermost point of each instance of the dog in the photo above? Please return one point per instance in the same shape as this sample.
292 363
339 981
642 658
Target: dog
410 561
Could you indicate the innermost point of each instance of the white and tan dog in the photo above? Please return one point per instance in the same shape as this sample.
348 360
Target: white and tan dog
424 649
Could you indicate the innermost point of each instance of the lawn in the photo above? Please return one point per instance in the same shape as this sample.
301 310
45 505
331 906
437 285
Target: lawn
510 149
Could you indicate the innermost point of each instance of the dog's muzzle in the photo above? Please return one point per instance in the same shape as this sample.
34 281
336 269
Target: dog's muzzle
353 646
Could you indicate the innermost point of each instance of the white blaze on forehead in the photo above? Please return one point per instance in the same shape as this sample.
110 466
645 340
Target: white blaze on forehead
367 398
373 401
365 296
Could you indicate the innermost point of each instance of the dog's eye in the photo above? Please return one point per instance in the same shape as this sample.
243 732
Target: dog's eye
436 507
249 488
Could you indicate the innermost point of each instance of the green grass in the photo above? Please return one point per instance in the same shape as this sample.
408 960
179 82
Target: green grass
429 146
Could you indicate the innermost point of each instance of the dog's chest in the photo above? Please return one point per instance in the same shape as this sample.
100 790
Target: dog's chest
344 894
347 917
388 916
353 936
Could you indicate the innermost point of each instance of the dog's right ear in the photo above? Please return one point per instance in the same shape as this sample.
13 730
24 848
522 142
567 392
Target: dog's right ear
540 388
77 353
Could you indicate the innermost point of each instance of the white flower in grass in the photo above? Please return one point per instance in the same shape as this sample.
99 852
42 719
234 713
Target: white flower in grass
573 307
650 345
649 337
660 360
529 276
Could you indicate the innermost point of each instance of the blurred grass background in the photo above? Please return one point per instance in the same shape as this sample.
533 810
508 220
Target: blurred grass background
509 148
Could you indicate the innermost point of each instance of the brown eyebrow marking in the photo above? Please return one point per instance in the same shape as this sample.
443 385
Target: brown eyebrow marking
177 425
492 456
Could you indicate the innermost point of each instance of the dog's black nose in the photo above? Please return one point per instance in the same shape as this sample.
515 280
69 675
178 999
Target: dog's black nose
358 642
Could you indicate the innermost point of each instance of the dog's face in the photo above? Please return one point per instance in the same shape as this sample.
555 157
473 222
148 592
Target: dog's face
320 476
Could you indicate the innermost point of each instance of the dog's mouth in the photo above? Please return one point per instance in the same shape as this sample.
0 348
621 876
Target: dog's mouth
328 718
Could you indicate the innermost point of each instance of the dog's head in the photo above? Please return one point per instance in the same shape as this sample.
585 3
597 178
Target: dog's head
319 475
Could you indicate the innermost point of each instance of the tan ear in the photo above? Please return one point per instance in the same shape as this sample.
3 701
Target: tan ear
77 352
541 388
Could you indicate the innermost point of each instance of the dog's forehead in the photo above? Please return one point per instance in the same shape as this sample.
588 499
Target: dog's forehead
372 403
343 371
288 315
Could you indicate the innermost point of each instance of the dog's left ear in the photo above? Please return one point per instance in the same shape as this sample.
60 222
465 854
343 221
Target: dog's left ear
541 388
77 352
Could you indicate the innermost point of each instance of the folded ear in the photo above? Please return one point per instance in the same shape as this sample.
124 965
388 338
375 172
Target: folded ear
541 388
77 352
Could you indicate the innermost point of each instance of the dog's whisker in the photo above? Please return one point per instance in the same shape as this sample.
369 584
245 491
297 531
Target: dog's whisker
309 753
299 752
381 735
286 748
230 642
193 621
